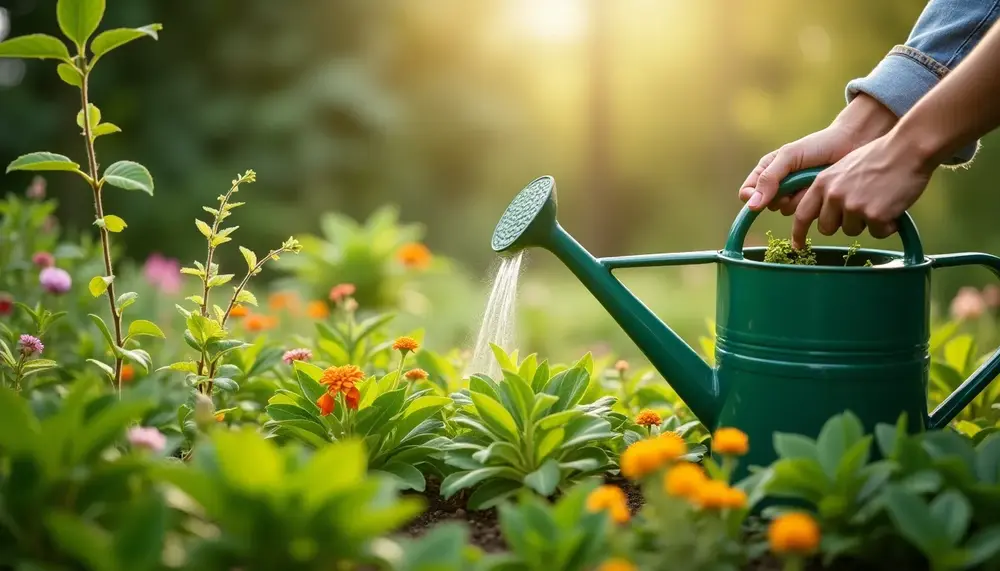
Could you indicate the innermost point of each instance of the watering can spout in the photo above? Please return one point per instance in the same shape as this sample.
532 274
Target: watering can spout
530 221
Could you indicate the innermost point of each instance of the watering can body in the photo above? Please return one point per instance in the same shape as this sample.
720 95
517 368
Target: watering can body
795 344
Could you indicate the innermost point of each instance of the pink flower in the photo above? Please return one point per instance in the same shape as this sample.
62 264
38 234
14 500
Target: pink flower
55 280
37 189
968 304
991 295
43 260
6 304
163 273
341 291
297 355
147 438
30 345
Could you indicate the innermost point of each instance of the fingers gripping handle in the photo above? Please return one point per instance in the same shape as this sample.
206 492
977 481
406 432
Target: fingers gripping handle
984 375
913 250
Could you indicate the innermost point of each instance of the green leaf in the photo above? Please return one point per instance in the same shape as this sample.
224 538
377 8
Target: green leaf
68 74
111 39
225 384
492 493
128 175
953 512
219 280
204 228
141 327
104 367
409 477
84 541
244 296
545 479
104 331
42 161
93 113
114 223
982 546
78 19
838 434
551 441
17 423
496 417
204 329
250 257
795 446
915 522
517 396
988 459
458 481
34 46
183 366
248 461
104 129
125 300
99 284
139 538
139 357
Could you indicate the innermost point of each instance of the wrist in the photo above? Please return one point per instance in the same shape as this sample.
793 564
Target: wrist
918 143
865 119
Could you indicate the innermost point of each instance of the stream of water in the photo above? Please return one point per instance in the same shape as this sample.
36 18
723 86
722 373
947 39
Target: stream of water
499 323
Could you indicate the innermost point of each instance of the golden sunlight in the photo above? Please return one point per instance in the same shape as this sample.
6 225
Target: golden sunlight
556 20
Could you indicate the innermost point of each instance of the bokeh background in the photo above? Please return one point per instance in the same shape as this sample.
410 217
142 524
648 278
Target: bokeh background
649 114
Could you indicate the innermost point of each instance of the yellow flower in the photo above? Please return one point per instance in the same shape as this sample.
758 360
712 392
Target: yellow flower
414 255
684 480
616 565
648 418
318 310
731 441
610 498
736 499
794 533
646 456
416 374
713 494
405 344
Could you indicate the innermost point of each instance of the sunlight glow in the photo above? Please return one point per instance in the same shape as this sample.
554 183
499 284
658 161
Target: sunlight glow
555 20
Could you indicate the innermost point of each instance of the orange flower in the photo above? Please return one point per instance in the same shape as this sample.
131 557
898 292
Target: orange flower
326 404
713 494
318 310
352 397
238 311
220 417
284 300
616 565
416 374
128 373
735 499
341 379
794 533
648 418
405 344
677 440
256 322
730 441
621 366
341 291
684 480
647 456
414 255
610 498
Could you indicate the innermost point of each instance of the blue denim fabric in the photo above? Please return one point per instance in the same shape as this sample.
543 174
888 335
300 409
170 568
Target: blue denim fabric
943 36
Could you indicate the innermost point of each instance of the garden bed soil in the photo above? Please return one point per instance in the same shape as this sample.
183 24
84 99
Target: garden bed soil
484 526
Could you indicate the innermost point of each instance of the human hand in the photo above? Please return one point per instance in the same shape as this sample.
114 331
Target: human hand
871 186
862 121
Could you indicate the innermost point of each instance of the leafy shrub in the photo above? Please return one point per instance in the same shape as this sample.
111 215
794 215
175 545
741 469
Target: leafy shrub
518 433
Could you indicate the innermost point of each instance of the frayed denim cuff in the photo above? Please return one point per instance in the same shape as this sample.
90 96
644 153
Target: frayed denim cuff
899 81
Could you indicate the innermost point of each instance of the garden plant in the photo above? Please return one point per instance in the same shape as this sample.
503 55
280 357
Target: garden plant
223 422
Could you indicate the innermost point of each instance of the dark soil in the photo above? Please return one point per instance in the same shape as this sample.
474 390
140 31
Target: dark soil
484 527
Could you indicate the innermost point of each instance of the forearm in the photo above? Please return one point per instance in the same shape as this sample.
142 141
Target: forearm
963 107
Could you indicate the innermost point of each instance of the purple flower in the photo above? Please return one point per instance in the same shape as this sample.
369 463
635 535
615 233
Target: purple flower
297 355
147 438
31 345
55 280
163 273
43 260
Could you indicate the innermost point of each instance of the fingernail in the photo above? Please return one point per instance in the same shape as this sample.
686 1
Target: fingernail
755 200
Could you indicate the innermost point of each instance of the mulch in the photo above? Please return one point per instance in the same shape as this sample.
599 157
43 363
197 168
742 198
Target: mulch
484 527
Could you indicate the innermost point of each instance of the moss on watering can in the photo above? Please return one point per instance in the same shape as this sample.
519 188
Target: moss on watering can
781 251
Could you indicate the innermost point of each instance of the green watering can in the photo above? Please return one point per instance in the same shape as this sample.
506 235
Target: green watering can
795 344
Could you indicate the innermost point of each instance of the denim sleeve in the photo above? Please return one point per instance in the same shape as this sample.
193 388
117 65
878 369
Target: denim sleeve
945 33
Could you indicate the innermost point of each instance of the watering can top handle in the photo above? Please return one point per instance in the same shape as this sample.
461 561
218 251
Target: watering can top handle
913 250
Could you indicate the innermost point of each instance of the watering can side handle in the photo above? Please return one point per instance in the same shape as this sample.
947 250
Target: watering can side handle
913 250
984 375
658 260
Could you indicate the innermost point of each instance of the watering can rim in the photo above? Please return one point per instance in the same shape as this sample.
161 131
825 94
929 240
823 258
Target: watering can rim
739 259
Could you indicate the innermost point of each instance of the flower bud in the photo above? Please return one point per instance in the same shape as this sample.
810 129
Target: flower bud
204 411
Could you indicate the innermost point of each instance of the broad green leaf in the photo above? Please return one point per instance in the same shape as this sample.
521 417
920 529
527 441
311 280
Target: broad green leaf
797 478
545 479
505 361
78 19
249 462
114 223
250 257
500 453
244 296
982 546
914 521
143 327
225 384
570 386
128 175
789 445
558 419
42 161
496 417
99 284
83 540
139 357
459 481
492 493
543 402
204 329
101 430
838 434
219 280
111 39
551 441
104 129
93 113
140 537
409 477
853 460
68 74
332 469
517 396
17 423
204 228
184 367
104 367
34 46
953 512
126 299
988 459
103 327
960 353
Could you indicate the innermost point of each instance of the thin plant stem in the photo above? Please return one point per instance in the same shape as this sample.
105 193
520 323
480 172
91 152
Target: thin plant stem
99 211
